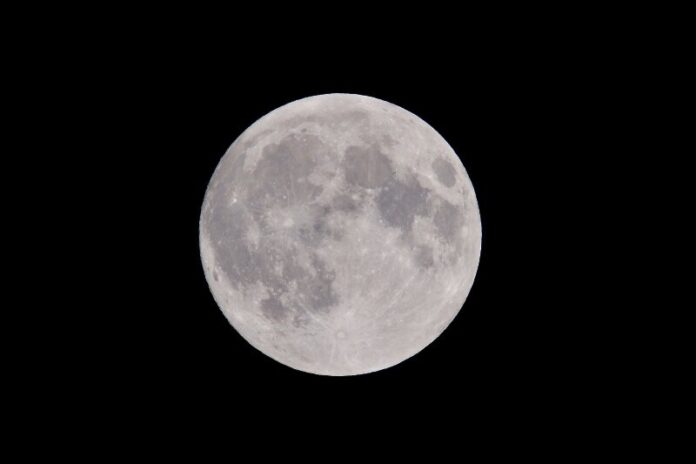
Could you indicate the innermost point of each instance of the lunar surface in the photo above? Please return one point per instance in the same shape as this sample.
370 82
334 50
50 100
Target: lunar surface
340 234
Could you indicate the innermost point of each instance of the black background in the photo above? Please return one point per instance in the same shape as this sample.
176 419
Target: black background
154 120
124 116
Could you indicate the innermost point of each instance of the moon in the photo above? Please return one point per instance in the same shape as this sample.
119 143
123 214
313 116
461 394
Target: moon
340 234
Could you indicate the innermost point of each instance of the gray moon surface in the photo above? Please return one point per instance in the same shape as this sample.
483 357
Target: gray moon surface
340 234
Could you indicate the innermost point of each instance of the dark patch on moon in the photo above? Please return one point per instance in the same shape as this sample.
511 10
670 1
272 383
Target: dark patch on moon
300 320
448 220
399 202
318 289
313 286
424 256
273 308
314 291
344 203
366 167
387 140
318 229
444 172
274 264
291 270
281 173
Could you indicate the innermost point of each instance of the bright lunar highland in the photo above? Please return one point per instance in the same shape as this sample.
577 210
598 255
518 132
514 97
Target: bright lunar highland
340 234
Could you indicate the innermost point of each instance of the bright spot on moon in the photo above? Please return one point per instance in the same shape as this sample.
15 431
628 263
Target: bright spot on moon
340 234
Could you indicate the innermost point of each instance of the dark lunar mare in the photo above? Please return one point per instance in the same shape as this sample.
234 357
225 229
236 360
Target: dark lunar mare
278 180
399 202
444 172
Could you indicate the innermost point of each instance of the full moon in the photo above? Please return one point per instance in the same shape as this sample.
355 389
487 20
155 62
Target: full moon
340 234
